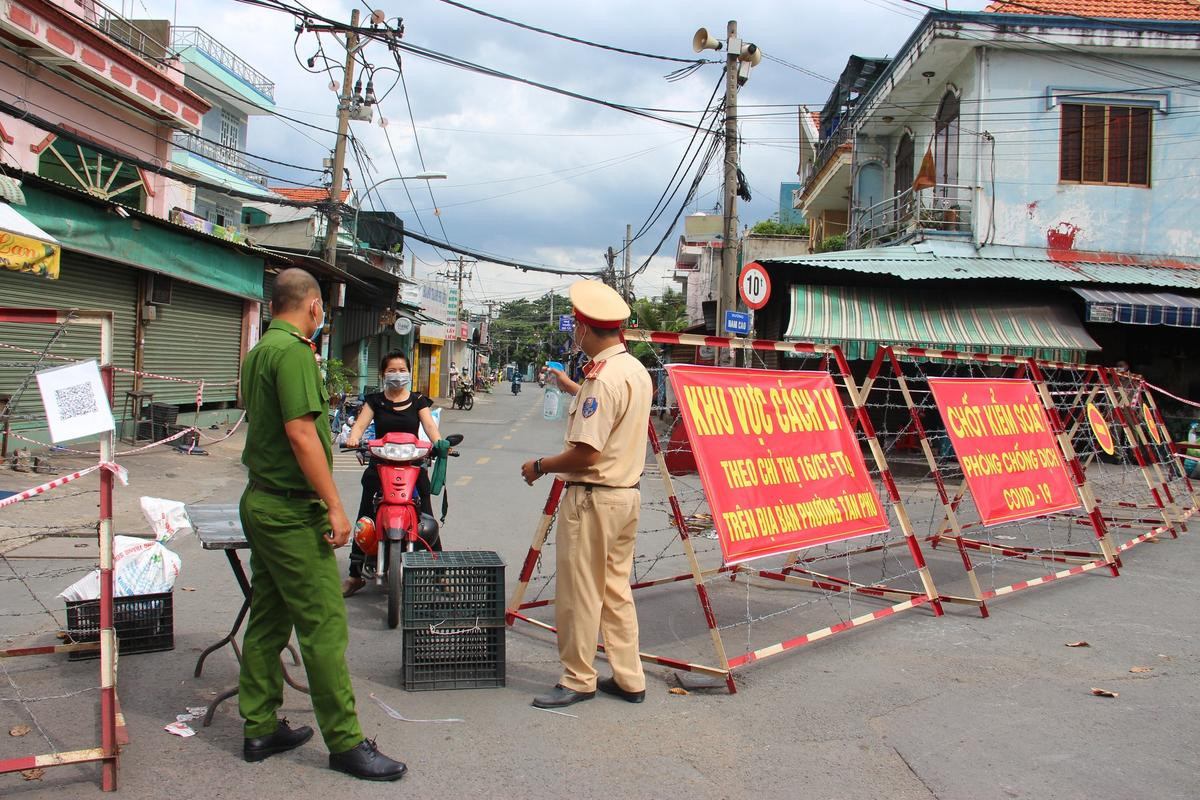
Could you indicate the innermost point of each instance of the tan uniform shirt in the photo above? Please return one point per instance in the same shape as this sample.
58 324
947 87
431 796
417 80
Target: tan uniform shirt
611 413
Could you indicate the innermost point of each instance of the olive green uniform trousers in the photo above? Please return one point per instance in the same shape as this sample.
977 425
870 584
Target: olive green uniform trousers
295 581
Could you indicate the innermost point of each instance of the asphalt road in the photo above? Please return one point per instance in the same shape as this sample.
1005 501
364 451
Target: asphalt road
912 707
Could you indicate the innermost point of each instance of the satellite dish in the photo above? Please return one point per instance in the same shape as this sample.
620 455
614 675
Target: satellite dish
403 326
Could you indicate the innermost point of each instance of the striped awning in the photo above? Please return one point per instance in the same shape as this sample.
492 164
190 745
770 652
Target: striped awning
860 319
1141 308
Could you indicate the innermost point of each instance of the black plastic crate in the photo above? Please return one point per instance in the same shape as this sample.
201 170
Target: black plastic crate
145 623
443 656
464 586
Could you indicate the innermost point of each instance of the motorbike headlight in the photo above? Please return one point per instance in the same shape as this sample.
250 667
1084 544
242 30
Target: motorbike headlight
399 452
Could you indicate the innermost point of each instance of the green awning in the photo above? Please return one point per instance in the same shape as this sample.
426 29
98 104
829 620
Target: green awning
860 319
138 242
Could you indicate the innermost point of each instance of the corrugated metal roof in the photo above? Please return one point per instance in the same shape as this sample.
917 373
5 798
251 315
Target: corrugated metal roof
1141 308
943 261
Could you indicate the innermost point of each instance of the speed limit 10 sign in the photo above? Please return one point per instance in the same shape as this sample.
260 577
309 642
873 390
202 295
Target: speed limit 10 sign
754 285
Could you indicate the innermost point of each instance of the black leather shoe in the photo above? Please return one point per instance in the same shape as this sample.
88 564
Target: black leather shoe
609 686
367 763
282 740
561 696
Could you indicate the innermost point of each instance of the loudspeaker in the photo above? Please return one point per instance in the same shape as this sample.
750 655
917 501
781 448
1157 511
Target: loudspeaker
703 41
751 54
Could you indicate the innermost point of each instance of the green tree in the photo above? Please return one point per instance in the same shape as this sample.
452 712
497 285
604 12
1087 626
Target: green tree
832 244
526 331
665 313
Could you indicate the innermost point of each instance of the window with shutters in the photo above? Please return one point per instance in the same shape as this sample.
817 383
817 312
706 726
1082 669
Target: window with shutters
1105 145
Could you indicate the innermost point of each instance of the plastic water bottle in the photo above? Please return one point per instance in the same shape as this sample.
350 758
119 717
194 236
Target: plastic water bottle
552 405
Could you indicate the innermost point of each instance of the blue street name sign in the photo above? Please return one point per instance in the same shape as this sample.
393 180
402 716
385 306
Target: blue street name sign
737 322
566 322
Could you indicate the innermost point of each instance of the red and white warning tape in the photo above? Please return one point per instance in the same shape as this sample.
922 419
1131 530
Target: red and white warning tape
121 473
1174 397
125 370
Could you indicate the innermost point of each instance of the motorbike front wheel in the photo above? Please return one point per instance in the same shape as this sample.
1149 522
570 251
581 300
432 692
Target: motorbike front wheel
395 589
468 402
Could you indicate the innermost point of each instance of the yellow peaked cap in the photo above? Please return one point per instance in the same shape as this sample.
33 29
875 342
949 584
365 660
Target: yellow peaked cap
597 301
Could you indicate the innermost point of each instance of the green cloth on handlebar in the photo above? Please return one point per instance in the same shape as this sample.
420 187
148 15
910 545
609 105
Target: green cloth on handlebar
437 480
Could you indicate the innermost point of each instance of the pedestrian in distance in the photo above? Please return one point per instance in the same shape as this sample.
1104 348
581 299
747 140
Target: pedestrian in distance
293 520
396 409
602 467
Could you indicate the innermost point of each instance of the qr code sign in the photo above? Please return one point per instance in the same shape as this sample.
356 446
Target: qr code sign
75 401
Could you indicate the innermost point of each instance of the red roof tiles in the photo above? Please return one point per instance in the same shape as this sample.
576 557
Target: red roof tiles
1182 10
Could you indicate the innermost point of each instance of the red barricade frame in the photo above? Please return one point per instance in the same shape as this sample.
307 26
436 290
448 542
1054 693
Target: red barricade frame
794 573
112 724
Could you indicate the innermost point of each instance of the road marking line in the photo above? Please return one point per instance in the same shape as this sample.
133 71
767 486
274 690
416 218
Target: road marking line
463 481
497 447
483 459
506 438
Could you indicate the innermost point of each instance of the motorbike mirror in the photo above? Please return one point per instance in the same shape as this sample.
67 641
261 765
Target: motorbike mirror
455 439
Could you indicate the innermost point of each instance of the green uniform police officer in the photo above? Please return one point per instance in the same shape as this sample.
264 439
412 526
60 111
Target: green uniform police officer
293 519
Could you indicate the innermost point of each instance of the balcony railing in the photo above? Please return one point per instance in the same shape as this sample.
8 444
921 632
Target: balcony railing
147 38
223 157
944 208
828 149
186 36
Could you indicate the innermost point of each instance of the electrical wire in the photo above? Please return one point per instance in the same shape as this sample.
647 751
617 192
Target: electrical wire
27 75
544 31
386 37
58 130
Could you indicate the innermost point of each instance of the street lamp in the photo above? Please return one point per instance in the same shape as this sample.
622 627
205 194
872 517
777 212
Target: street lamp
420 176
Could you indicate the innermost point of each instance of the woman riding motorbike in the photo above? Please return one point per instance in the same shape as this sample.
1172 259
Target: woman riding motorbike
395 409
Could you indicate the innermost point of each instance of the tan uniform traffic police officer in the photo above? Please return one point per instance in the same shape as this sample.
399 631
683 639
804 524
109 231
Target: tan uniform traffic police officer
597 520
293 520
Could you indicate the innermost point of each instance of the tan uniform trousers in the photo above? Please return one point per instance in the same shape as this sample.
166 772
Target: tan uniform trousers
596 532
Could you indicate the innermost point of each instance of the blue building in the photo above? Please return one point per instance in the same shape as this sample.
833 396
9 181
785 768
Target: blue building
789 214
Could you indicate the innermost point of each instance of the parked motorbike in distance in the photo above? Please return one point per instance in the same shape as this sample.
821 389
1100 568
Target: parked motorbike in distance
398 523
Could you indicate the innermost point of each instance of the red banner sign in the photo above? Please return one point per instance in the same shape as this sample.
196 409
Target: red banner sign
780 465
1005 446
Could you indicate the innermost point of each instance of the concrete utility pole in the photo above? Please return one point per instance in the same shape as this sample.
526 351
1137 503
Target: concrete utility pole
339 160
727 283
628 243
610 275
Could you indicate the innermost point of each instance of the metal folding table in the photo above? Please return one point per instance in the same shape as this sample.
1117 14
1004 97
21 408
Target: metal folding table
219 527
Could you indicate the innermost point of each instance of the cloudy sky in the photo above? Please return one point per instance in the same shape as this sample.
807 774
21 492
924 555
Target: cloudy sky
535 176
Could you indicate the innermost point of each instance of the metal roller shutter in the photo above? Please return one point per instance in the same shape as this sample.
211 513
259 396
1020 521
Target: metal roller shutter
373 356
85 283
198 336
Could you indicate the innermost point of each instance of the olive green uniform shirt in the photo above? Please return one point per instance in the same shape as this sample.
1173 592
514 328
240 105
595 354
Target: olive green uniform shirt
281 382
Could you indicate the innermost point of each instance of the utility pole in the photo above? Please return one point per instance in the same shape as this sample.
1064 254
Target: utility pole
339 157
727 283
628 243
610 275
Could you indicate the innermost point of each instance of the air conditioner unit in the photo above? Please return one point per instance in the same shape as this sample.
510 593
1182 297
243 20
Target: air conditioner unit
159 290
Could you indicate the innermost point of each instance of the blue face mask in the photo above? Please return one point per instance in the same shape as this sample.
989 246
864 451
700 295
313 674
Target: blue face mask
397 380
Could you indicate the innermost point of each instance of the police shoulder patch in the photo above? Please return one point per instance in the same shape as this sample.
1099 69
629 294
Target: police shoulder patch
589 406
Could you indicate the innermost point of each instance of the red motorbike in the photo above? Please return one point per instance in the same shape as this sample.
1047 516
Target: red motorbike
398 524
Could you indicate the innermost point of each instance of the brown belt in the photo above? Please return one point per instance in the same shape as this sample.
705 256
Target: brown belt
591 486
